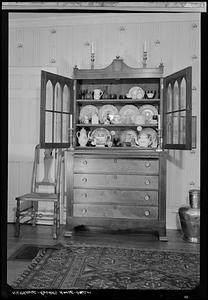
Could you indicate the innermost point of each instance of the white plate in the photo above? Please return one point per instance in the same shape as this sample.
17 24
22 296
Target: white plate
105 110
99 136
128 113
136 92
152 135
149 111
87 111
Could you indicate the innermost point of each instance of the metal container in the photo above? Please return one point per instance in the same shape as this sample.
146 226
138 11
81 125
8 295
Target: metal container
190 218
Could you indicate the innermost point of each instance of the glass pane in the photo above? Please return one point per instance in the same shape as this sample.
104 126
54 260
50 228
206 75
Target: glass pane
182 130
176 96
176 129
57 127
182 126
66 95
57 97
183 94
169 129
169 98
49 95
65 122
48 127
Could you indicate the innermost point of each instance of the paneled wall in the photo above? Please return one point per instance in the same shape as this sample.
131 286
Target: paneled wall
59 41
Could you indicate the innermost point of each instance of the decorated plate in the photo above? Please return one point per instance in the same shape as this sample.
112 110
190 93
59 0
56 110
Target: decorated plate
128 136
99 136
107 110
128 113
152 136
136 92
149 111
87 111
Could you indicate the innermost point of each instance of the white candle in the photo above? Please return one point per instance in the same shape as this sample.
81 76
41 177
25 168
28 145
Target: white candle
145 46
70 121
92 48
158 118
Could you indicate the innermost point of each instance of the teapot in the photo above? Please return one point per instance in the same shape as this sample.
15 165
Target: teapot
97 93
82 136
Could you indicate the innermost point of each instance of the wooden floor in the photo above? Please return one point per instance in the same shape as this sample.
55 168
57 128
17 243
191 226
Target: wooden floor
42 235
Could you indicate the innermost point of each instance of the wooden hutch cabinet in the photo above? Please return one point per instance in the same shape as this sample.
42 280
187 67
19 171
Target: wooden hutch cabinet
115 124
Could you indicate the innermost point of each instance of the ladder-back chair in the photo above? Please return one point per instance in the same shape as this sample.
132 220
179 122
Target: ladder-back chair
51 192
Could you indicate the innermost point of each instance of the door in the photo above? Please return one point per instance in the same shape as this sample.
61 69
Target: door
55 110
177 129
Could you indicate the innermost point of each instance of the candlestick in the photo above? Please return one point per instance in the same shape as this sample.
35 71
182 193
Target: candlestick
92 60
92 48
159 147
158 120
71 138
145 46
70 121
144 59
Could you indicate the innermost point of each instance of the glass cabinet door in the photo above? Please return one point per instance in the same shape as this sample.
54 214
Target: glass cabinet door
55 110
177 129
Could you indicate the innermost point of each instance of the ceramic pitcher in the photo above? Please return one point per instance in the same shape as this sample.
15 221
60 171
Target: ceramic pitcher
97 94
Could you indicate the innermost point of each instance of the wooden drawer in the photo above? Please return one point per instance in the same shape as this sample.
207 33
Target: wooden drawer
115 211
102 165
116 196
115 181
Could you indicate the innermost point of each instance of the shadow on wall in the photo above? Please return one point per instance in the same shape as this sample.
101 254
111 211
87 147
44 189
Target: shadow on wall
178 224
176 157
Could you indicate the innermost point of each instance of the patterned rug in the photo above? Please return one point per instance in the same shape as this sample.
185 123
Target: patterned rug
28 252
103 267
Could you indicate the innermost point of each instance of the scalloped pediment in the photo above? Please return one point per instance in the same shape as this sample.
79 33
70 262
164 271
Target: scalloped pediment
118 69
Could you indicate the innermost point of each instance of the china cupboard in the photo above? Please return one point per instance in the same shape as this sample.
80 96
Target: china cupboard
116 124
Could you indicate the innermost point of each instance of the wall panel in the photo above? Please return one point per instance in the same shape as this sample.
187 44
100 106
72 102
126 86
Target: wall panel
172 38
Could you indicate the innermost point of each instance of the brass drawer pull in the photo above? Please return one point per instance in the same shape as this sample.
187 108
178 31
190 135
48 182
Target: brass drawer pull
147 164
147 181
146 197
115 176
84 179
84 211
147 213
115 161
85 162
84 195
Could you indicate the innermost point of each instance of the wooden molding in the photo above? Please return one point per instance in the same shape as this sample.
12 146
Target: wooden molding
138 6
55 19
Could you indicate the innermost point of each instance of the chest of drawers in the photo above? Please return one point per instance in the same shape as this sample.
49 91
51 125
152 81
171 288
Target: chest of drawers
117 191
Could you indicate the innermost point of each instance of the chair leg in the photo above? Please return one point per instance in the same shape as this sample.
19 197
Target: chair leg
55 221
58 215
17 223
33 215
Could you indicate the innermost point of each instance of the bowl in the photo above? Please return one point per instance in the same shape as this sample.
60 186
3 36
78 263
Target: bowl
150 95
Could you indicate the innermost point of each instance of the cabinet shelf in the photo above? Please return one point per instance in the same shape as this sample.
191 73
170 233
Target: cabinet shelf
116 125
121 148
119 101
